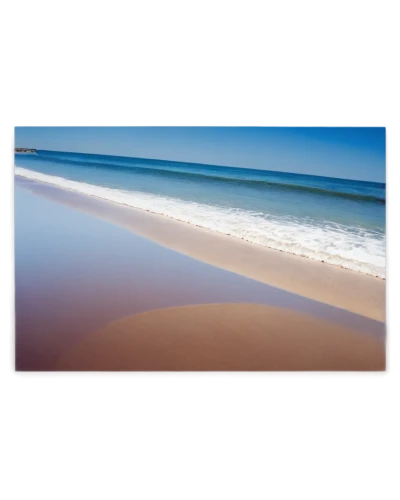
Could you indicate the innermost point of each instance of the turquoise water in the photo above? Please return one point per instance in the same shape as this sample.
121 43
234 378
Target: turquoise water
338 221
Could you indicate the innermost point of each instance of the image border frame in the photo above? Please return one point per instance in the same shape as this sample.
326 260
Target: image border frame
19 377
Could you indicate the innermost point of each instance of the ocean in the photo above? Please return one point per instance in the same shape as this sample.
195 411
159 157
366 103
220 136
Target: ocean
337 221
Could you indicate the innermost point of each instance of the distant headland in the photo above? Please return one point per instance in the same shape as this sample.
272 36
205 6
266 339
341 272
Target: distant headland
25 150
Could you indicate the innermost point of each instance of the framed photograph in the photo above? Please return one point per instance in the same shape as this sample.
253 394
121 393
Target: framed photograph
200 249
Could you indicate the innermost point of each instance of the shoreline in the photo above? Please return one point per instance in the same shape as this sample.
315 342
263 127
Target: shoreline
343 288
98 192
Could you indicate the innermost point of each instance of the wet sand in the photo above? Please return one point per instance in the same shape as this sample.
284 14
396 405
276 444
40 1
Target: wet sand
224 337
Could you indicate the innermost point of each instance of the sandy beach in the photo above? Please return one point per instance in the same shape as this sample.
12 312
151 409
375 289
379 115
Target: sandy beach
106 287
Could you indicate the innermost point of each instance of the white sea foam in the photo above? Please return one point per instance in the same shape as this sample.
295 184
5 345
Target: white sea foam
352 248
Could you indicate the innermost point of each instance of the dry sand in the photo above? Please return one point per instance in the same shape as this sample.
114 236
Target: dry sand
355 292
246 337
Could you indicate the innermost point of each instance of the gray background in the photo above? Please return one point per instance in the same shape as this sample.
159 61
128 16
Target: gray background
119 442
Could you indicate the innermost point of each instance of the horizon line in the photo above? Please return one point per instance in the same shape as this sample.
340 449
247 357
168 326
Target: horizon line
204 164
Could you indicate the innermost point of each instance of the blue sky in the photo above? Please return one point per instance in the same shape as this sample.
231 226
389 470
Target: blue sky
349 153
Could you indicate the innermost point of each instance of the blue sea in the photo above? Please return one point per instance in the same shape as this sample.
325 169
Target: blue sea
338 221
